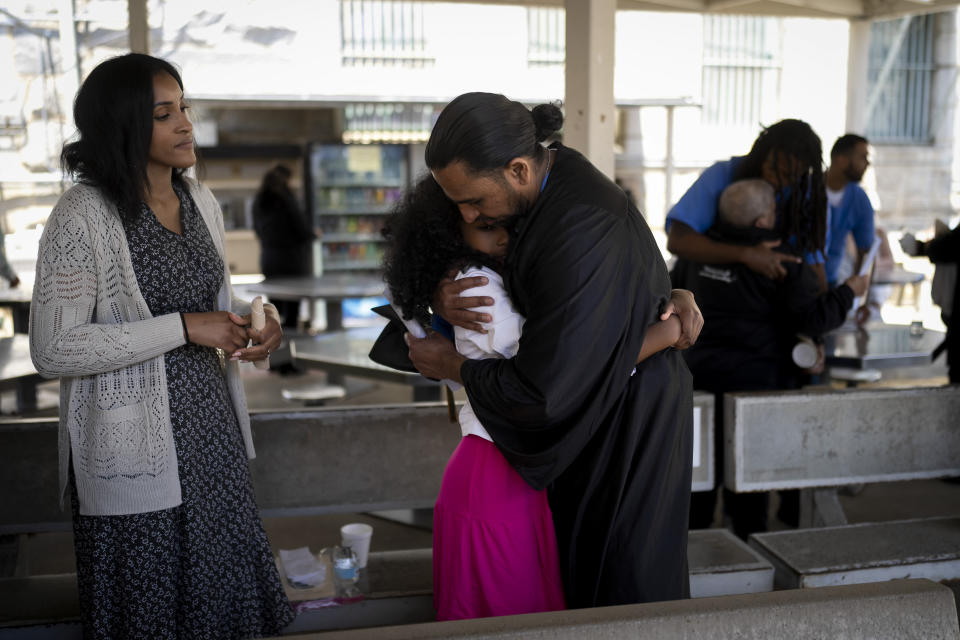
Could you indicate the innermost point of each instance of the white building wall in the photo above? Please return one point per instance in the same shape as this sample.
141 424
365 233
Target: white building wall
289 50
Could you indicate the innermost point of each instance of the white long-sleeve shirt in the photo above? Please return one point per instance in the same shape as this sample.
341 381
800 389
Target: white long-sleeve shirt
501 340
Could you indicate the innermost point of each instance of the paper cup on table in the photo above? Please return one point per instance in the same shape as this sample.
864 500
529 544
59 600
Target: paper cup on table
357 536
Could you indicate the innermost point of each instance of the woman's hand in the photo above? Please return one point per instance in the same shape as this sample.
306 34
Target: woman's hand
218 329
683 305
448 304
265 342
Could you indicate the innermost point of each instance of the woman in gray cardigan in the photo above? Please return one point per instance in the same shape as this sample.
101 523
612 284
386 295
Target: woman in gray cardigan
133 310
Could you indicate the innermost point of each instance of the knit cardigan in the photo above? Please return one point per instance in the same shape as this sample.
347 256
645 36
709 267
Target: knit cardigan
90 325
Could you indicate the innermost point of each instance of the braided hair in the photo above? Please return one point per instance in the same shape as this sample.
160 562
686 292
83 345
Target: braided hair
803 203
424 242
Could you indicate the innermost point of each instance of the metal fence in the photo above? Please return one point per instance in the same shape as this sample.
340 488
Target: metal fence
742 62
383 33
546 37
899 79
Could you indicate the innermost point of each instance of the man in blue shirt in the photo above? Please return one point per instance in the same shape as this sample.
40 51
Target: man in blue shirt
788 156
849 207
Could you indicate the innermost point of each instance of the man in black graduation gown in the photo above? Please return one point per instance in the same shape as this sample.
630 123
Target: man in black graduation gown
571 411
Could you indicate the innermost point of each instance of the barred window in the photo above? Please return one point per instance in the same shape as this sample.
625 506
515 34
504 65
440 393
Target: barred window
899 78
742 62
546 37
383 33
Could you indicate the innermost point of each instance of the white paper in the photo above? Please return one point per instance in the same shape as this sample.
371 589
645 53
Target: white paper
417 332
258 320
696 437
865 270
412 325
871 257
302 567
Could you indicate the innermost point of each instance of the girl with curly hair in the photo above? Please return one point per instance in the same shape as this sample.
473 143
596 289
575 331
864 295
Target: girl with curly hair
495 547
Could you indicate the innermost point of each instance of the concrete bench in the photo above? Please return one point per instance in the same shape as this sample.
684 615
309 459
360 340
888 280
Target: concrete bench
873 552
819 440
721 564
815 441
398 588
330 460
904 609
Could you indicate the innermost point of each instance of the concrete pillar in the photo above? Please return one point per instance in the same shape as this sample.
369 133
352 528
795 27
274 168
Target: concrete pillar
943 93
139 29
858 59
630 164
71 65
590 111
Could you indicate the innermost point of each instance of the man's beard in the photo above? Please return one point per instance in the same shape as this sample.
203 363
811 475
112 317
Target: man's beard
852 175
519 208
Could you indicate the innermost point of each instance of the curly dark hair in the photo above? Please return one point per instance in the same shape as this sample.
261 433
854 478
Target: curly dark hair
804 213
424 243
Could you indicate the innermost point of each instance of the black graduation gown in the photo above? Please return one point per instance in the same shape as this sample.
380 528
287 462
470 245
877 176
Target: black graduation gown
946 249
613 449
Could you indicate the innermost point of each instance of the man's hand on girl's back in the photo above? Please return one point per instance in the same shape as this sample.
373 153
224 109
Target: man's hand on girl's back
456 310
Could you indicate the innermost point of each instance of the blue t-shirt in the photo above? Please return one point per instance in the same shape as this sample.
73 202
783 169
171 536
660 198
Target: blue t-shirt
854 215
697 208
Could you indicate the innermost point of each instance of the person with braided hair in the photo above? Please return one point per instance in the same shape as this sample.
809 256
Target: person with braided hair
572 410
787 155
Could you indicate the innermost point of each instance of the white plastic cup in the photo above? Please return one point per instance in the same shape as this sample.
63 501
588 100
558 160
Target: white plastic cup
356 535
805 354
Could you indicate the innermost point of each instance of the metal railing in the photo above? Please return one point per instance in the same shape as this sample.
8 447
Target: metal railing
376 33
900 77
546 37
742 61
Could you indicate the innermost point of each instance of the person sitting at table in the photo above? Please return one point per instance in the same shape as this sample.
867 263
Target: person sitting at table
943 250
849 211
750 327
133 311
494 544
788 156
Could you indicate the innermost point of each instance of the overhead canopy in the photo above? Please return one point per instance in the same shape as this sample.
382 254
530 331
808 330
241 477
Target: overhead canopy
809 8
856 9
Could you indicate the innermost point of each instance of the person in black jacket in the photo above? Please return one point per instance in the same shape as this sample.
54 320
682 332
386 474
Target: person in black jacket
750 327
285 235
943 249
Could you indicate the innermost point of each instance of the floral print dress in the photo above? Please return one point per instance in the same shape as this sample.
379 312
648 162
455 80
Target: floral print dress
203 569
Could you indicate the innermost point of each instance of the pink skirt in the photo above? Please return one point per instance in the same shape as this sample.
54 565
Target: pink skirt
494 546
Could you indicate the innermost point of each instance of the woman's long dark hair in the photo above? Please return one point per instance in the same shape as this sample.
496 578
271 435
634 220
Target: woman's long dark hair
113 112
424 243
487 130
803 215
